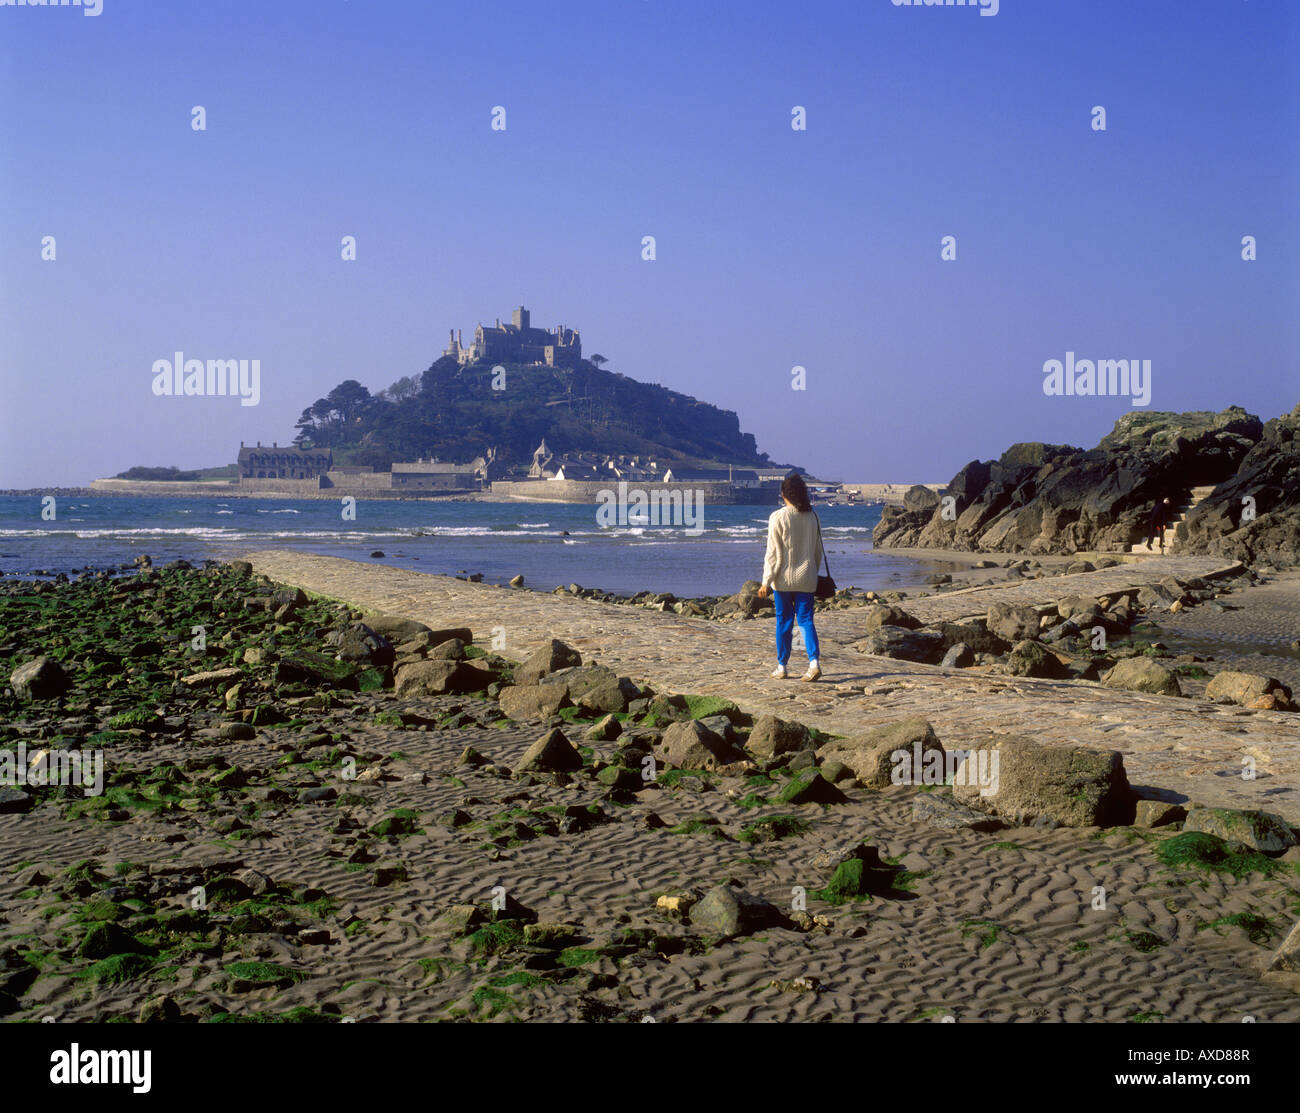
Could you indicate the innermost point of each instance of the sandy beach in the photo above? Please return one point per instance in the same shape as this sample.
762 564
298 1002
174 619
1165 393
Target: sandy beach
372 853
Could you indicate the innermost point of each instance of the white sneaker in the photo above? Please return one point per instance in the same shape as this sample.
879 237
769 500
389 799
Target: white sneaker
779 673
814 672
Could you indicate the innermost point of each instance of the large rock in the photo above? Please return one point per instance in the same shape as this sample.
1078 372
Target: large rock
552 753
887 755
398 630
1012 623
1287 957
902 644
1141 674
1033 658
42 678
1262 831
545 660
1243 687
727 912
885 614
691 745
439 678
945 813
533 701
594 688
1076 787
772 737
362 645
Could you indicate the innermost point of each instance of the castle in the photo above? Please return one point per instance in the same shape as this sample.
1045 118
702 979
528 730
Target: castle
518 342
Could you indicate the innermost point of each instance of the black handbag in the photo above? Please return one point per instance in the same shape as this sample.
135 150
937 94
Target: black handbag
825 585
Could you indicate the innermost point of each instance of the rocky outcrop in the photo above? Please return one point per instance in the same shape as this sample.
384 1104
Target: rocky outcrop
1254 515
1041 498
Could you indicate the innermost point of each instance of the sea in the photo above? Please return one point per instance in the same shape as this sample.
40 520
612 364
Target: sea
550 544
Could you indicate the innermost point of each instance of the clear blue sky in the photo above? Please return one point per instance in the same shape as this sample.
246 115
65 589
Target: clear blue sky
820 248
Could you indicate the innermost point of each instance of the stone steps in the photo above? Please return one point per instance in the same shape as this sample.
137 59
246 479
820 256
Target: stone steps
1196 496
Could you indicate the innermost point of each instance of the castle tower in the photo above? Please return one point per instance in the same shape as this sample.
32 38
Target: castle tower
520 318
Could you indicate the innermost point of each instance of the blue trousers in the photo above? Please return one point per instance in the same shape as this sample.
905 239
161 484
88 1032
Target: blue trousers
789 606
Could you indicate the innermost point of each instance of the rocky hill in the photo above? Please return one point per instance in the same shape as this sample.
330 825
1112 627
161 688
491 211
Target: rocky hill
457 413
1040 498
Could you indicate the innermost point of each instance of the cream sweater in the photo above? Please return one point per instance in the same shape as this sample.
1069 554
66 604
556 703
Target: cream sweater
794 553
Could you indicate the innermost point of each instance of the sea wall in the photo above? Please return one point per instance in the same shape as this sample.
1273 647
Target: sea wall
588 491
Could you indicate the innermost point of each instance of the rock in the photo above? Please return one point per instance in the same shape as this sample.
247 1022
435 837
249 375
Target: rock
691 745
772 737
42 678
1082 608
1033 658
677 904
360 644
810 787
902 644
552 753
727 912
959 656
533 701
436 678
159 1010
459 919
453 649
1287 957
517 581
238 732
1157 813
605 730
549 658
551 935
240 567
886 614
945 813
1243 687
872 754
1142 674
859 874
14 801
1011 622
1019 780
1262 831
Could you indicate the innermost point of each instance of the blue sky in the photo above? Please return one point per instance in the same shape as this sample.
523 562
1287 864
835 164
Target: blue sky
775 247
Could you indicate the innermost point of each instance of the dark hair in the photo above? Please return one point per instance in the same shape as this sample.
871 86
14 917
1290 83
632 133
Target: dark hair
794 489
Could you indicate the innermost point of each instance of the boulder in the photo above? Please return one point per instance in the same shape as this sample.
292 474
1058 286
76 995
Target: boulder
809 787
532 701
547 659
948 815
453 649
1033 658
1158 813
959 656
772 737
886 614
691 745
362 645
43 678
1262 831
1012 623
212 678
1026 781
902 644
727 912
1287 957
887 754
1243 687
1142 674
552 753
438 678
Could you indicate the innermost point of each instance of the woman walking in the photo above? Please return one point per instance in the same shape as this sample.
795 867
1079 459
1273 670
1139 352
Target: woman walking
794 551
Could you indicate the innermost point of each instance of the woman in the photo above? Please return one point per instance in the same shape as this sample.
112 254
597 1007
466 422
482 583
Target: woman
794 552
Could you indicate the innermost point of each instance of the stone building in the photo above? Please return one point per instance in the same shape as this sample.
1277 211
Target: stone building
282 462
518 342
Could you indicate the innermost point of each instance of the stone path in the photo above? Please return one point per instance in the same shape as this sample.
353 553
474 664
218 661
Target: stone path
1186 746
